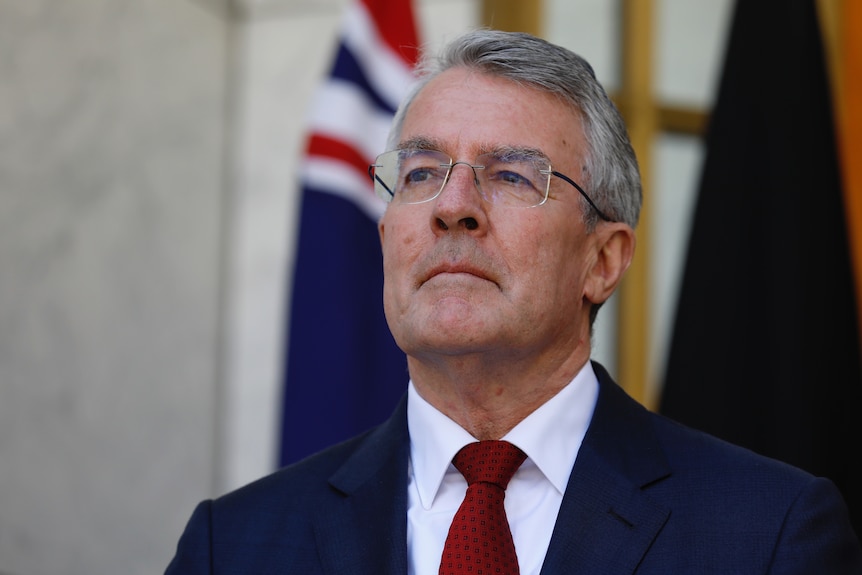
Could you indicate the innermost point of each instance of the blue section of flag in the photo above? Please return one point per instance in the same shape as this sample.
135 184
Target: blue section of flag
344 371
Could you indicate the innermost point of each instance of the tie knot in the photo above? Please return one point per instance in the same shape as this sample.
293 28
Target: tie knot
489 462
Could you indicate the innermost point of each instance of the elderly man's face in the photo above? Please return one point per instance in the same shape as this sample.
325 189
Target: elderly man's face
466 276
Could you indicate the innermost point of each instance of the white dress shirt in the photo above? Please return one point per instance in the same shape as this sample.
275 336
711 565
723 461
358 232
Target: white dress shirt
550 436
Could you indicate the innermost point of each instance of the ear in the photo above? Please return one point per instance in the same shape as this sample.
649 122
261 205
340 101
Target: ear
615 248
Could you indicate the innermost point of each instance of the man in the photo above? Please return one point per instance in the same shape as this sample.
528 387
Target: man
514 193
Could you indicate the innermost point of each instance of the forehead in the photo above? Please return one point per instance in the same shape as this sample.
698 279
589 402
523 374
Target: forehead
466 112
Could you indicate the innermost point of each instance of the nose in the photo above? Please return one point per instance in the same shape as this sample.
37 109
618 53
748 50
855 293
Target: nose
460 204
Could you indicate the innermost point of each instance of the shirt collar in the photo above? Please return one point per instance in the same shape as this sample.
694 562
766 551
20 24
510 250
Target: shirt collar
550 436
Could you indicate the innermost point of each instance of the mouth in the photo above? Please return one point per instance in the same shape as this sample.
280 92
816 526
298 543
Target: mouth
456 269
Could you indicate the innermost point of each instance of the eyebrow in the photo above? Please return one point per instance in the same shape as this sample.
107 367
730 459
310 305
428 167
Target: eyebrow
421 143
519 153
503 152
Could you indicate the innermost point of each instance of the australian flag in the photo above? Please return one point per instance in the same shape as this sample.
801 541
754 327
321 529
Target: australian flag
343 371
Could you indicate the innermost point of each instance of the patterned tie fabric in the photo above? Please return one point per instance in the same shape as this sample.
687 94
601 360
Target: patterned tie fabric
479 540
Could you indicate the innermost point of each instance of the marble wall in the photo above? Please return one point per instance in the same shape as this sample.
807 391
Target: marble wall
112 200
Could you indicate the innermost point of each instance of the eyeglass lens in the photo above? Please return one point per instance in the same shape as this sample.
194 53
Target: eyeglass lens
415 176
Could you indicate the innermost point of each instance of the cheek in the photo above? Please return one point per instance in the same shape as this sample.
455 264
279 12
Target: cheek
559 265
400 248
531 249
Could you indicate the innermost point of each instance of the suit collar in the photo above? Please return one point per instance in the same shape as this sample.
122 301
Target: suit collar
365 532
607 522
383 447
621 431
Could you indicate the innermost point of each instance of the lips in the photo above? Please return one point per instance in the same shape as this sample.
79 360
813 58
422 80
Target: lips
457 268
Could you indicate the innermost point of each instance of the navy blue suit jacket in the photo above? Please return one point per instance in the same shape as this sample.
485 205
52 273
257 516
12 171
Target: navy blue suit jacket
646 496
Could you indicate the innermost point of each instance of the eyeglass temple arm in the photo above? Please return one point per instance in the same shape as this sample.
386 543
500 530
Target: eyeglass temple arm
583 193
374 178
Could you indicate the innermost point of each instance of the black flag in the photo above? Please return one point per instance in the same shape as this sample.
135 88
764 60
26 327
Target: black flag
765 350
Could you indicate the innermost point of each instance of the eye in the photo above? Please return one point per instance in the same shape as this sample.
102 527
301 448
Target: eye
419 175
511 177
422 168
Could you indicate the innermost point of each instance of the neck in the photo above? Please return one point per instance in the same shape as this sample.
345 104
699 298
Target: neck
487 396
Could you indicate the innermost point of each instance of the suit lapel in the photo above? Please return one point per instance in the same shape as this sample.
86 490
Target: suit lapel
606 521
364 530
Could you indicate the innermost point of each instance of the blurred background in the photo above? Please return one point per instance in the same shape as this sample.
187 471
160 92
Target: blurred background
149 206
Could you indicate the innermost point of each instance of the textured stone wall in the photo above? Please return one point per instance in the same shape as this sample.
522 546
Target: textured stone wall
112 147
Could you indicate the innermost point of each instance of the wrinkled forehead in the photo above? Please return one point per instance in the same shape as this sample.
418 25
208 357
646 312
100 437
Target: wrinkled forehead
467 112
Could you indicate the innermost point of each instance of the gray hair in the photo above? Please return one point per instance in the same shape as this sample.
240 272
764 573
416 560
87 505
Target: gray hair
611 176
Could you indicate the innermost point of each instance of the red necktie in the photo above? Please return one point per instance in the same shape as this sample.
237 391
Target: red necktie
479 540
